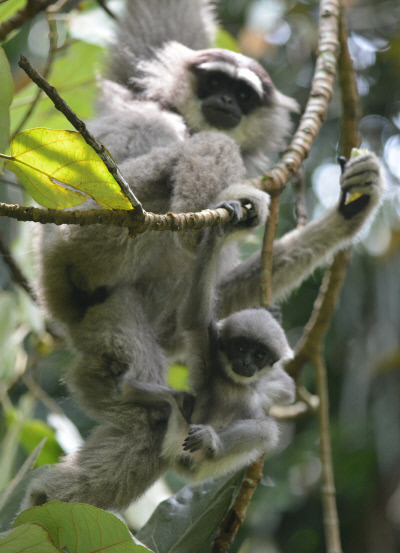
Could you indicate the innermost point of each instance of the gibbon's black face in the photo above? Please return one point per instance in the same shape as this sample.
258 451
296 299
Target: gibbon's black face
229 86
247 356
224 99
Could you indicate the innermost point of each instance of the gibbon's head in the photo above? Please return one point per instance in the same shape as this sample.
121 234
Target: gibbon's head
250 343
217 89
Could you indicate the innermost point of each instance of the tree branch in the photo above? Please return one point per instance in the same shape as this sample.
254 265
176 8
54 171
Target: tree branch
320 94
120 218
31 8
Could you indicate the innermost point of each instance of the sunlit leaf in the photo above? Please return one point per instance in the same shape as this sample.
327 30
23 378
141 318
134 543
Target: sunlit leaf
73 75
42 189
6 94
188 520
41 156
82 528
28 538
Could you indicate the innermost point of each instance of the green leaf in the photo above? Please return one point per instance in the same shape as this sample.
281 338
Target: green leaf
178 377
28 538
33 432
187 521
73 75
9 8
226 40
82 528
41 156
6 94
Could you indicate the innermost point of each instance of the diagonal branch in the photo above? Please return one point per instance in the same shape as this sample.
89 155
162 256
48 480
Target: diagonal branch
31 8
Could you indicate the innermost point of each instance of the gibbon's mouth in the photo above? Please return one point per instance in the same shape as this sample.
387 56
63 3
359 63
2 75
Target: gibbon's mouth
221 117
244 371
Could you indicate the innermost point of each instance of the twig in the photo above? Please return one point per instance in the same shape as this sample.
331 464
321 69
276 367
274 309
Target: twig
328 491
16 272
53 38
80 126
320 319
40 394
104 6
31 8
351 111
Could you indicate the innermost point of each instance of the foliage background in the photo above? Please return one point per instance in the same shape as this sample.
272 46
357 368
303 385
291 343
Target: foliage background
362 347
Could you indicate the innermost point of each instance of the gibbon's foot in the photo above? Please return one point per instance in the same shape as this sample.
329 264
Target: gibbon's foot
201 437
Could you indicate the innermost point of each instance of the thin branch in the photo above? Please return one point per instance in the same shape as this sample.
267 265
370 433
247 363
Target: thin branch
328 491
31 8
53 39
16 272
104 6
324 305
80 126
351 111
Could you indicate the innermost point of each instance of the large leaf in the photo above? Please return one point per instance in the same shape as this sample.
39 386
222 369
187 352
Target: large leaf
41 156
28 538
6 94
82 528
187 521
73 75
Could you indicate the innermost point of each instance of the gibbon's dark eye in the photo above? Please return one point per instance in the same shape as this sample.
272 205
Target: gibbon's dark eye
210 82
260 354
240 346
246 97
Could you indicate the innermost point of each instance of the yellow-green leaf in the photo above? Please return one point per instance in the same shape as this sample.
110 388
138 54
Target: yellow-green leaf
6 94
42 189
42 156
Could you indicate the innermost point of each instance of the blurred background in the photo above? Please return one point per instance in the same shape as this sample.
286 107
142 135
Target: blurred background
363 343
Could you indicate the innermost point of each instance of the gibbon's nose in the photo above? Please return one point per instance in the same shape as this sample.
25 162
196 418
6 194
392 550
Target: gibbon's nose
226 99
